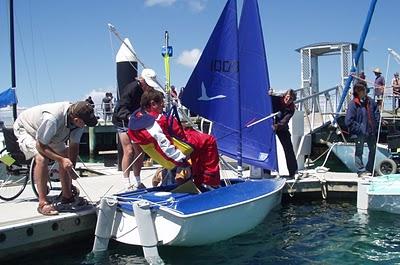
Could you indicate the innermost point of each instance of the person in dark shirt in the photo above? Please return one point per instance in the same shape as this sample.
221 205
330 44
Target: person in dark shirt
90 101
362 119
107 106
285 106
129 101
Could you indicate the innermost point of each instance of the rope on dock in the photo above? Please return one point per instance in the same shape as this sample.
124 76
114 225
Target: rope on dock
290 189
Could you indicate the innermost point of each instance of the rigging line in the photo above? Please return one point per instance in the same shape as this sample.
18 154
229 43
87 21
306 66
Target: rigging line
34 96
113 55
77 174
248 125
35 80
46 65
114 30
380 115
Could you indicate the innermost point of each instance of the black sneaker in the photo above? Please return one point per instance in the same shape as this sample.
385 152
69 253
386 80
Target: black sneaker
71 204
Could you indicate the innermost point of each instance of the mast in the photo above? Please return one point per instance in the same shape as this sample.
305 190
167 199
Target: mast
166 53
359 50
239 155
12 55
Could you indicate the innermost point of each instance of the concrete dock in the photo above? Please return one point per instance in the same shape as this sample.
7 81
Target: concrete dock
23 229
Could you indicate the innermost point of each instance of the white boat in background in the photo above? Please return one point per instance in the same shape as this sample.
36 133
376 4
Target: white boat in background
384 194
379 194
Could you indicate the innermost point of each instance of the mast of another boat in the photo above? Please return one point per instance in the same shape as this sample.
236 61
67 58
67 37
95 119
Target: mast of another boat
12 55
116 34
359 50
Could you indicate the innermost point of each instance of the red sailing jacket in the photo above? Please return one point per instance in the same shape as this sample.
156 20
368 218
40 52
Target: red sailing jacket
158 136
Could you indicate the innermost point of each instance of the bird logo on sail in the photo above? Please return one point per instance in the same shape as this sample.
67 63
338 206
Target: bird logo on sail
204 96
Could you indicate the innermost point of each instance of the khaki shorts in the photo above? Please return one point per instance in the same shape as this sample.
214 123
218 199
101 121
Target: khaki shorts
27 143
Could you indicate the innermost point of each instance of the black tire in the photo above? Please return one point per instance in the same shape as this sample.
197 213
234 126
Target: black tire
386 167
53 183
13 179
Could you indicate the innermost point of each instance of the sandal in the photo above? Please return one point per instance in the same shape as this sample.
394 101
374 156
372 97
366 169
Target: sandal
46 208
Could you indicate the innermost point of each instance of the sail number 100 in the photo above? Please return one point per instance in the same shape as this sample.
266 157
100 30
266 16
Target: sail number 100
224 66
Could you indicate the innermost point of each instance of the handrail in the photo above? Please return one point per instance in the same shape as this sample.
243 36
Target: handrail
315 95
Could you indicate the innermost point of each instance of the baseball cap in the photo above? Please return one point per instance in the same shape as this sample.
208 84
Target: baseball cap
149 76
84 111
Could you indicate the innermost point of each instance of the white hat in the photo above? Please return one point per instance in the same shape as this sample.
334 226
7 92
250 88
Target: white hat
377 70
149 77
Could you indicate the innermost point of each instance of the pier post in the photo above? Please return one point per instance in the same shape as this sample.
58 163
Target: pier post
104 225
147 231
92 141
362 195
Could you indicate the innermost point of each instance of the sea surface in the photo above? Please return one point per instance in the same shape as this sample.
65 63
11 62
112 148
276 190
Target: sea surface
299 232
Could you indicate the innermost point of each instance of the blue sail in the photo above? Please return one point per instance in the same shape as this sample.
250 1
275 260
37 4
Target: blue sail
8 97
229 87
213 88
258 141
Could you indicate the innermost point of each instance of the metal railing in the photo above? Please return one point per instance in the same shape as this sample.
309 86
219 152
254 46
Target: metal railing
319 108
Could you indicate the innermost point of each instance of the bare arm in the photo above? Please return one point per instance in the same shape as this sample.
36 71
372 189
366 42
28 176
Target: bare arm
73 152
48 152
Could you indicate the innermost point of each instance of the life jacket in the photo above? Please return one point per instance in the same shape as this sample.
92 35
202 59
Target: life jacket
162 137
151 131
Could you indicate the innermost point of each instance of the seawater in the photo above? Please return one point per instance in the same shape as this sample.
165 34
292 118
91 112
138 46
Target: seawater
316 232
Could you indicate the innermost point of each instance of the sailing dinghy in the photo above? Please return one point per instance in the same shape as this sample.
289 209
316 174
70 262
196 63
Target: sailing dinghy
229 87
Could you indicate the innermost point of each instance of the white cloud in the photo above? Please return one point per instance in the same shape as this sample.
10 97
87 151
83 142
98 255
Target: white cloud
98 95
189 57
197 5
159 2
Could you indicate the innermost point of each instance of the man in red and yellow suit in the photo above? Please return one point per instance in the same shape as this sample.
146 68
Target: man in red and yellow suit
164 140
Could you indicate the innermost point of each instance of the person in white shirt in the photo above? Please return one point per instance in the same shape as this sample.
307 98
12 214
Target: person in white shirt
42 132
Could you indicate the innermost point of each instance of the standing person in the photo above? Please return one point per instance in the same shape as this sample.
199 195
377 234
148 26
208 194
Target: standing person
129 102
379 86
285 106
361 79
42 132
90 101
362 119
112 101
396 92
174 95
106 106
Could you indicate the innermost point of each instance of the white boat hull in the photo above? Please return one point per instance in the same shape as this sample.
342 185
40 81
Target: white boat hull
384 203
384 194
202 228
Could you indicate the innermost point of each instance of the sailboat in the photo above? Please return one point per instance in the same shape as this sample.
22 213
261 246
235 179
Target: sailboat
231 72
8 96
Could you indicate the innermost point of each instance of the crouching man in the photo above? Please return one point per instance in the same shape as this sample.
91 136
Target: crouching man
42 132
164 140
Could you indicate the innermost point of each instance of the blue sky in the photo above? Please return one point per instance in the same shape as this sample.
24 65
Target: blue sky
65 51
